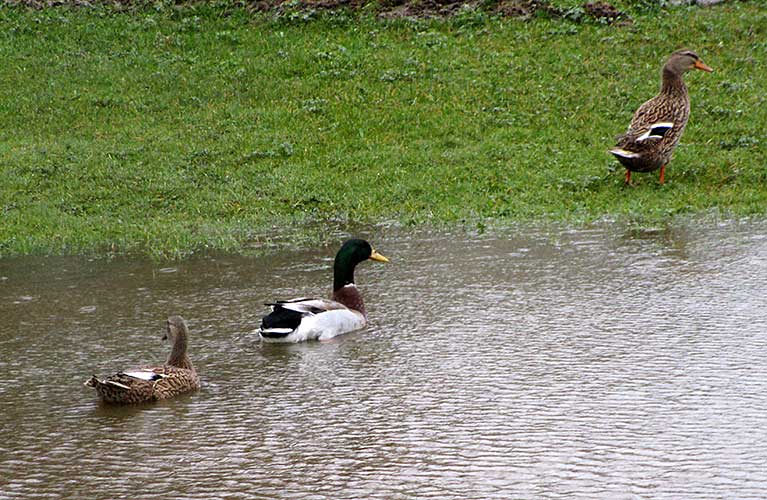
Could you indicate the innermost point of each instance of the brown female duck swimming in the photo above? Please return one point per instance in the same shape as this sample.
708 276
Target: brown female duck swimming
658 124
151 383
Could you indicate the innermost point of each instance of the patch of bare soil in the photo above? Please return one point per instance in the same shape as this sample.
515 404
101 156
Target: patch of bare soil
605 12
384 9
426 9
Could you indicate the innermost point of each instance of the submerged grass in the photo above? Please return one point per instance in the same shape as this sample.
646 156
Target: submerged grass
173 131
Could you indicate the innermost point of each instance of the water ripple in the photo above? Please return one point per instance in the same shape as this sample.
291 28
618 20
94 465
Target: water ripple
576 364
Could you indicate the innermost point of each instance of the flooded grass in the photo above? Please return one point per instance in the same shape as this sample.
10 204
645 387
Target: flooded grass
181 130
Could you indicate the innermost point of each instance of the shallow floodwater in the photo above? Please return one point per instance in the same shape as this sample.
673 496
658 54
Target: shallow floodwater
537 363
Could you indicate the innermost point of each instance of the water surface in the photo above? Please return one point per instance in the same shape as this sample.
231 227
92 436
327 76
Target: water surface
537 363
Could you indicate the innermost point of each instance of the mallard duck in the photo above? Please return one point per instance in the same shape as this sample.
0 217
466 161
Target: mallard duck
658 124
308 319
152 383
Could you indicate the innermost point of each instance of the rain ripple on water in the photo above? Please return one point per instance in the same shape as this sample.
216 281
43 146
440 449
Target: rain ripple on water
596 363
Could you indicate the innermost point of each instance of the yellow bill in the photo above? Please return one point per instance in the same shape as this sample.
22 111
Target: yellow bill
377 256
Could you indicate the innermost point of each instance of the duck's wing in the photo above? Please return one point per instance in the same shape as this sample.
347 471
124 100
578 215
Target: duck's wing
122 388
287 315
307 306
653 121
145 384
148 374
636 142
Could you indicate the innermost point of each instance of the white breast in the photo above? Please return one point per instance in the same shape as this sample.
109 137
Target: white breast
324 326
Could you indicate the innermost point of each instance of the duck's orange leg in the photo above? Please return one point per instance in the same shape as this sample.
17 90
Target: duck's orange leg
662 174
628 176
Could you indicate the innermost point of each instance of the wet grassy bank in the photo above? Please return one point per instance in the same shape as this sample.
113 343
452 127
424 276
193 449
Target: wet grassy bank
171 131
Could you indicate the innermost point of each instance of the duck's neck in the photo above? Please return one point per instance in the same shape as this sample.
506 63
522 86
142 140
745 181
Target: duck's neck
343 271
350 296
178 356
672 84
344 289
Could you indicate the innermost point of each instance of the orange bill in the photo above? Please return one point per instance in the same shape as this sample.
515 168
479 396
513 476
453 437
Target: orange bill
702 66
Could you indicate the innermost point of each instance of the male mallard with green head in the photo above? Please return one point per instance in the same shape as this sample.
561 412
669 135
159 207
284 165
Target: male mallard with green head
145 384
307 319
658 123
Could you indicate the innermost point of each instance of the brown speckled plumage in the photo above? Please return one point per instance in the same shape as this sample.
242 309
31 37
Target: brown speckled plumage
641 149
175 377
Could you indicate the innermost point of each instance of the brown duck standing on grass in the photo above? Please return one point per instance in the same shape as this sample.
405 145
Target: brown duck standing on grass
658 124
152 383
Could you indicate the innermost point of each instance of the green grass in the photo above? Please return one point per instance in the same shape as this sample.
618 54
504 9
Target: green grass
181 130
